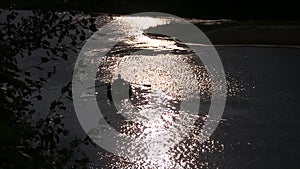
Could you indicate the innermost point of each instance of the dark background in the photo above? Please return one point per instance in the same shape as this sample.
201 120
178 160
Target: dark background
241 10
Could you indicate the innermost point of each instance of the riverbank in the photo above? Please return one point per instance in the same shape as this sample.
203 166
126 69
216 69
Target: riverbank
282 33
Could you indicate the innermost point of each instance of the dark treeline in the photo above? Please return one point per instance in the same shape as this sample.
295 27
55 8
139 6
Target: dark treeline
241 10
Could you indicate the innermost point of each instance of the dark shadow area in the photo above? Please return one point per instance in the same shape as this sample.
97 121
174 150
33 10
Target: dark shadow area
32 122
240 10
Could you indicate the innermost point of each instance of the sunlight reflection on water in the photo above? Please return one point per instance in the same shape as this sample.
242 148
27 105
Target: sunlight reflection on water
162 73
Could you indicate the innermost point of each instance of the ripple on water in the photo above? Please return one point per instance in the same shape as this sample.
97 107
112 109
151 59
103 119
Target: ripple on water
167 136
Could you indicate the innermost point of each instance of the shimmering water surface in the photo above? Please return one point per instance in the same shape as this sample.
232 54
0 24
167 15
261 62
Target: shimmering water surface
259 127
161 73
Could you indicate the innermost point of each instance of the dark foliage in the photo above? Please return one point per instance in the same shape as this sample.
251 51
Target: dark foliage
31 139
